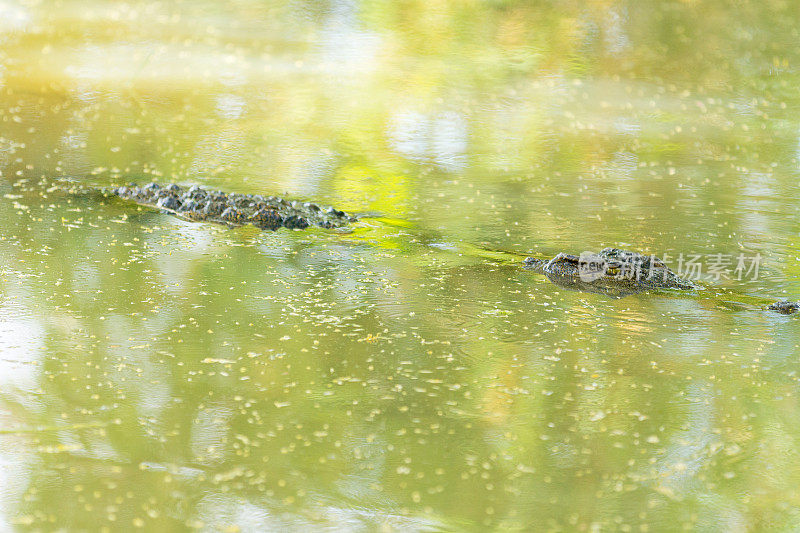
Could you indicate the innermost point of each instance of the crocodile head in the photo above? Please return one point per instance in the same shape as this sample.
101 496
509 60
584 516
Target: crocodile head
612 271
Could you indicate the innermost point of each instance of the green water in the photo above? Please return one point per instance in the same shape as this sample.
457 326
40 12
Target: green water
408 375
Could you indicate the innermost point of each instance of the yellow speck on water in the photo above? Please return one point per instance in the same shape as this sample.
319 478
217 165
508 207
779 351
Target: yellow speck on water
210 360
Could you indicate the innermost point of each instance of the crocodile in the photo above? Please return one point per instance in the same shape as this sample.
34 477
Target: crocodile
233 209
617 273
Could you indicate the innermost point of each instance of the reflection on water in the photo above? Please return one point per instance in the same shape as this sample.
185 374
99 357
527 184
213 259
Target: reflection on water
409 375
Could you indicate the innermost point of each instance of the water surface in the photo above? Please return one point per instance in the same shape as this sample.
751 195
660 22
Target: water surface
406 375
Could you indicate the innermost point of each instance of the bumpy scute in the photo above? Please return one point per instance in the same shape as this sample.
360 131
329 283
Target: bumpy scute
169 202
266 219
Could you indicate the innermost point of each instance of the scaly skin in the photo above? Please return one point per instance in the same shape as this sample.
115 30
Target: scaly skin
195 203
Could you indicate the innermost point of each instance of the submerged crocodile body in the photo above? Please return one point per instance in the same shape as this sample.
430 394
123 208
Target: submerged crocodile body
618 273
233 209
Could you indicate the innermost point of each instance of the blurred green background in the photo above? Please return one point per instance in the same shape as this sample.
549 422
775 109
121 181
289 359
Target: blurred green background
408 375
